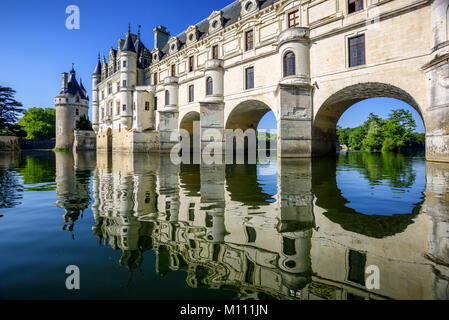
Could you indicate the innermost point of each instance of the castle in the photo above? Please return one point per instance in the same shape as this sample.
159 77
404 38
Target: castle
72 103
307 61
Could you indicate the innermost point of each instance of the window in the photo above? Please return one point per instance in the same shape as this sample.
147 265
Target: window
77 112
355 5
357 51
293 19
124 63
190 64
102 95
167 97
147 106
289 64
109 88
191 93
209 86
124 107
215 52
124 83
357 265
249 40
155 79
118 86
249 78
173 70
155 103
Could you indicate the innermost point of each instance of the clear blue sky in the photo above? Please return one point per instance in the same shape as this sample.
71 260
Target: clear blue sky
36 46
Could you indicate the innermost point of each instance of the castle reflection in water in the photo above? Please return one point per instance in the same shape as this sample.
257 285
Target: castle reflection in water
227 229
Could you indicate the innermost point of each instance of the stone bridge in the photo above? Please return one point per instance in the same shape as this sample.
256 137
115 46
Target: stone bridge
406 56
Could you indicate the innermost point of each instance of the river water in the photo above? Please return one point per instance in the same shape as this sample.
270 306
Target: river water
139 227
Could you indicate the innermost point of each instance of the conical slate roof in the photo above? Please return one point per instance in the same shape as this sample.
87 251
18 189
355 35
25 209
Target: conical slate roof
98 66
73 88
129 45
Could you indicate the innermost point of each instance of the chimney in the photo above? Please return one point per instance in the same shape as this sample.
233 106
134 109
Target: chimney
64 81
161 37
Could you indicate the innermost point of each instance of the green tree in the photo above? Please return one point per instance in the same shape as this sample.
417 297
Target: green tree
356 138
398 130
84 124
10 109
39 123
374 139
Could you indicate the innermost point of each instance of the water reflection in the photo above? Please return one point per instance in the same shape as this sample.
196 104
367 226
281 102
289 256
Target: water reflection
11 187
282 230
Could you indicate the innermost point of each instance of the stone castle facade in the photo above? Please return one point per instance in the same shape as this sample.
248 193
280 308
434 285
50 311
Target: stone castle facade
307 61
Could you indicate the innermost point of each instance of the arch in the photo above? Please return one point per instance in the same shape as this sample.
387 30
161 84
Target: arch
187 121
327 116
247 115
209 86
289 64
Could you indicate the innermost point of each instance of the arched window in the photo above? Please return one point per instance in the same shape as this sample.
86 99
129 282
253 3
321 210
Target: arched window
209 86
167 97
289 64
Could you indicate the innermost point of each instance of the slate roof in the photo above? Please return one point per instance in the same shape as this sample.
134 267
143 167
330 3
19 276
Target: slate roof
73 88
129 45
230 14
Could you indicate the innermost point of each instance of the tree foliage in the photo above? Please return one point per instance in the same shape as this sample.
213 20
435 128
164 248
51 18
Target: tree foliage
39 123
392 134
10 109
84 124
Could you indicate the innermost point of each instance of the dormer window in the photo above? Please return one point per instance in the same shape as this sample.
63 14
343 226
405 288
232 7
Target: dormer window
248 7
215 21
192 34
173 70
124 63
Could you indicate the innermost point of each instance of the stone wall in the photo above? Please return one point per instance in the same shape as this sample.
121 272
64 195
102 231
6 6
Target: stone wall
85 141
8 143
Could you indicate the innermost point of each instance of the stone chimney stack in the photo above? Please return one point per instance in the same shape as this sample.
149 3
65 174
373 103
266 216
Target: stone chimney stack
64 81
161 36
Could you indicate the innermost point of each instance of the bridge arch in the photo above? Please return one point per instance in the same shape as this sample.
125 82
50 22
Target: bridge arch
247 114
329 112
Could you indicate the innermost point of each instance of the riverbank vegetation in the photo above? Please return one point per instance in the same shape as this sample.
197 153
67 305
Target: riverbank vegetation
395 133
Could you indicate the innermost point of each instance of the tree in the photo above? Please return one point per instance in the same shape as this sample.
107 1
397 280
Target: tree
39 123
84 124
356 137
374 139
398 129
10 109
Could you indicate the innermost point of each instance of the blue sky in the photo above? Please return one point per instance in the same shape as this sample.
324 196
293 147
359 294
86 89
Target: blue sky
36 46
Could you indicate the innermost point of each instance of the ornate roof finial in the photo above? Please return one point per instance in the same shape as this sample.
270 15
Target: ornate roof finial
138 32
73 68
98 55
129 27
